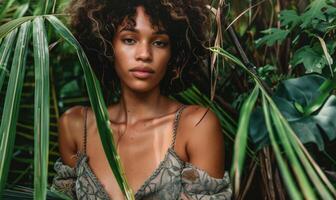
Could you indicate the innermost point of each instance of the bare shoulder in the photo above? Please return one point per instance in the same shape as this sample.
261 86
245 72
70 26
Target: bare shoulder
70 131
204 139
196 116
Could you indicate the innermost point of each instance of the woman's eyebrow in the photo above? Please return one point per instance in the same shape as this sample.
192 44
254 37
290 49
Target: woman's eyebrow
132 29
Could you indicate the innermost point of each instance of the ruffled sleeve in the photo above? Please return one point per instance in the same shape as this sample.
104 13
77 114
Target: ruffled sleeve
65 179
197 185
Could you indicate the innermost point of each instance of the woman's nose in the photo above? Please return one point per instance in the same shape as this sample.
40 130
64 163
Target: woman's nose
144 52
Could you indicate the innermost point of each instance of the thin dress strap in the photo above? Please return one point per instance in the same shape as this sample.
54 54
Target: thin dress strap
85 130
175 124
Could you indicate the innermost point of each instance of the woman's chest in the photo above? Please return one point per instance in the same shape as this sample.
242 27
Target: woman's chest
140 157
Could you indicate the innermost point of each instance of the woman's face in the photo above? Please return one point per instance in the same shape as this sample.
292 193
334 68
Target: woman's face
141 53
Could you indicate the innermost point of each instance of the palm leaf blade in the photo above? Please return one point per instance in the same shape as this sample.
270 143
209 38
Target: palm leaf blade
13 96
241 138
289 182
11 25
41 109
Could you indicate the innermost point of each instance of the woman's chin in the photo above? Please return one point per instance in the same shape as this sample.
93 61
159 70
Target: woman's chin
142 89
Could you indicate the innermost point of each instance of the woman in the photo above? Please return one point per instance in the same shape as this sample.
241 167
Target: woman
146 49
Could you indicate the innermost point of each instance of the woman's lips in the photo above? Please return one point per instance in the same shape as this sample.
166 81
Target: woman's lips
142 72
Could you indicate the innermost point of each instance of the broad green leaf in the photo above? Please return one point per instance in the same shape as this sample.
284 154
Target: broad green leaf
272 36
41 112
12 100
99 107
5 51
326 116
241 138
310 129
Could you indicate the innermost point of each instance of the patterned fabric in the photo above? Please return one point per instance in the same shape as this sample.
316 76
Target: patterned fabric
173 179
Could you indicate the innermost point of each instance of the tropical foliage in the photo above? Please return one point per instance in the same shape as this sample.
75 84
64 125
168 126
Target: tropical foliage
273 89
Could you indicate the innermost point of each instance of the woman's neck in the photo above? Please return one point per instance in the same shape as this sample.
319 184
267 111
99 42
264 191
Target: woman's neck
135 106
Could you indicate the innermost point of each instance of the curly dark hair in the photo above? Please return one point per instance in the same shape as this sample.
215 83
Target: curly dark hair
94 23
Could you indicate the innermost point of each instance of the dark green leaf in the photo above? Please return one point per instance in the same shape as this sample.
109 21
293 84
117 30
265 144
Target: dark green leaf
309 129
271 36
289 18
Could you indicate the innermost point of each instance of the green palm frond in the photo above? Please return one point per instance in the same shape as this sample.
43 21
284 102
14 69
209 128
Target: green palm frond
12 100
41 113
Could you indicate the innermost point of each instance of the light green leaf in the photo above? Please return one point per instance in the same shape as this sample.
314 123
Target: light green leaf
13 96
41 109
241 138
11 25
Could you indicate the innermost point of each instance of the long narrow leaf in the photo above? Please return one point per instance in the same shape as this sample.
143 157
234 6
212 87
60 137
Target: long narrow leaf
5 50
241 138
11 25
99 108
41 109
290 184
315 173
13 96
295 164
321 189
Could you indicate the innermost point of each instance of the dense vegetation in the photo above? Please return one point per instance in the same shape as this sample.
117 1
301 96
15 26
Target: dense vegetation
272 86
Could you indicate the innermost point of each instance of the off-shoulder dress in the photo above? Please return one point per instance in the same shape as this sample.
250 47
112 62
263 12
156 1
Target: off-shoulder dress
173 179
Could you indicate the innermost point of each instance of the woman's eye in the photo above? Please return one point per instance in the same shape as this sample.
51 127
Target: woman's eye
128 41
160 43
